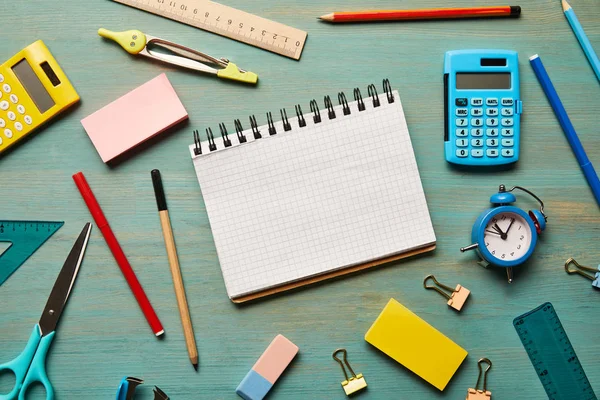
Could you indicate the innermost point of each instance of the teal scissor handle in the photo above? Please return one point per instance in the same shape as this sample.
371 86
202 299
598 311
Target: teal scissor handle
29 367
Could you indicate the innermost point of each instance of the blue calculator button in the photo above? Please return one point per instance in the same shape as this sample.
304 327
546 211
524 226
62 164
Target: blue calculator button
492 102
476 101
492 142
462 142
476 112
462 122
476 132
507 101
462 112
462 153
491 112
491 132
507 122
507 112
507 132
462 102
508 152
477 142
491 122
477 122
462 132
492 153
507 142
477 153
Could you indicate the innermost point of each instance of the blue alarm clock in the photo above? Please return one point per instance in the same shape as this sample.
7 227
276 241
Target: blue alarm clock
482 107
504 235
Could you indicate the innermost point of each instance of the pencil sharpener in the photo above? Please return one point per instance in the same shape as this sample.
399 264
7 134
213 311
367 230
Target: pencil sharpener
354 385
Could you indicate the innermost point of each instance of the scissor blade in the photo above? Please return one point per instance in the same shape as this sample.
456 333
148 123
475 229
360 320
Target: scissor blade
64 283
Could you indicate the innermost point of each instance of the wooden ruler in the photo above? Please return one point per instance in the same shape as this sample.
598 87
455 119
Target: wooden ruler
229 22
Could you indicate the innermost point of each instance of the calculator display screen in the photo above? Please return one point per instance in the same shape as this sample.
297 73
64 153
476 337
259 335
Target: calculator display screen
33 86
474 80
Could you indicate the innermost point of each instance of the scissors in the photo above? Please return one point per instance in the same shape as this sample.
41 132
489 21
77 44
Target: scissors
30 366
128 385
137 43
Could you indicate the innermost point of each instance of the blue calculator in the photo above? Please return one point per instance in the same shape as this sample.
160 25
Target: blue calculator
482 107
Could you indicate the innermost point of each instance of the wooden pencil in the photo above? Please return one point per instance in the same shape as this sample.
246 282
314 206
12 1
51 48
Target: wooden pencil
184 311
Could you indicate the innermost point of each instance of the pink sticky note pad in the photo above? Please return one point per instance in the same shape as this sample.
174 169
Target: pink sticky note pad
276 358
135 117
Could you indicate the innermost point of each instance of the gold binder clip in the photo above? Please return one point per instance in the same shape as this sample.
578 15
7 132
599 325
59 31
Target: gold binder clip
579 269
356 382
458 297
476 394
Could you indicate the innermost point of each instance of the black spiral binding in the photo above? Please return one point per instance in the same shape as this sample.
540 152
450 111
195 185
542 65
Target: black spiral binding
240 131
359 99
329 105
344 103
254 127
272 130
372 90
314 108
284 119
301 120
224 135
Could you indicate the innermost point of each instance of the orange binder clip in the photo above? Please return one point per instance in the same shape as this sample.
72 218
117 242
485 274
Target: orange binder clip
458 297
476 394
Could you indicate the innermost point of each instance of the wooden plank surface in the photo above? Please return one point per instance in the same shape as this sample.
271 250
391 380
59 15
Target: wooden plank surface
103 335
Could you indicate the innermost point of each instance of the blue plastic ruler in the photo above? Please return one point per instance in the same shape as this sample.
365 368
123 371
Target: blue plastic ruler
26 237
552 355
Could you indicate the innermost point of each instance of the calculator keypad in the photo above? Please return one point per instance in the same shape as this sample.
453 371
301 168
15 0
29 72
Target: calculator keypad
13 121
484 127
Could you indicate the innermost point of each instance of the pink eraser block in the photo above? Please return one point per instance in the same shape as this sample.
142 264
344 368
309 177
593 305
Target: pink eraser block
276 358
135 117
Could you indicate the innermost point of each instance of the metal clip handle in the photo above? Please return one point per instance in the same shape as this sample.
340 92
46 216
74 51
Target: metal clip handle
579 269
483 372
344 363
446 295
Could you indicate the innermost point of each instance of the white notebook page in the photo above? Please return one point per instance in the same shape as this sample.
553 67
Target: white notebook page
314 199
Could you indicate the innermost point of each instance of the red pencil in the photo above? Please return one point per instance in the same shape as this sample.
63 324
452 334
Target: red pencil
432 13
115 248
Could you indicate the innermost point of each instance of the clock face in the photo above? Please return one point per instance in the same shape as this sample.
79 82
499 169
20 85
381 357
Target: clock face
508 236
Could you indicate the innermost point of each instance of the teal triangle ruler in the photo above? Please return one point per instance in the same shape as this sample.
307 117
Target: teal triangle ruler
25 238
552 355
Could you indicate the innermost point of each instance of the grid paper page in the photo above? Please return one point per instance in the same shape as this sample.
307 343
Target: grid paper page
315 199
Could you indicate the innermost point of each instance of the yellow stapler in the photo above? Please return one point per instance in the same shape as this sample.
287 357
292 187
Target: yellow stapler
137 43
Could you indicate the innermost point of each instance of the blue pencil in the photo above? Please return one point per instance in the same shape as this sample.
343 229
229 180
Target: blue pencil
567 126
582 37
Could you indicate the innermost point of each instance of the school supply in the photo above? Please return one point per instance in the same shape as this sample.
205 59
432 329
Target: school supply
481 394
582 38
403 336
34 89
504 235
566 125
313 197
423 14
482 107
552 355
458 295
115 248
128 386
29 367
134 118
580 269
353 383
269 367
25 238
229 22
137 43
182 304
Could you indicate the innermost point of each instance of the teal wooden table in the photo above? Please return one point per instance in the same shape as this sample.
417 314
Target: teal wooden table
103 335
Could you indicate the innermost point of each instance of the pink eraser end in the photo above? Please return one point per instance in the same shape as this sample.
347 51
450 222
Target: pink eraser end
276 358
134 118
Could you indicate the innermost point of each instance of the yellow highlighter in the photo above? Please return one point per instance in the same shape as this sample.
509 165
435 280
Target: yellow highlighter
137 43
33 89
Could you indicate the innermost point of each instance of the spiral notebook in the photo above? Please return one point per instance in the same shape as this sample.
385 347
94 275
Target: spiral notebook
313 196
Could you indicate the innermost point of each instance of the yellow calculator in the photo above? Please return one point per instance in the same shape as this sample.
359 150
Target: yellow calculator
33 89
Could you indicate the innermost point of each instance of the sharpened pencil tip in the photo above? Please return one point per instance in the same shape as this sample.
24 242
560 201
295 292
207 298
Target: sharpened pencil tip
565 5
195 367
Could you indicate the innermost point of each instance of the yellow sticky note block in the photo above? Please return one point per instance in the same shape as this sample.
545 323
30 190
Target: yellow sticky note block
412 342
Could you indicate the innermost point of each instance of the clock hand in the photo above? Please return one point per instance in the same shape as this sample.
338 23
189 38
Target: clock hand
508 229
502 234
494 232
